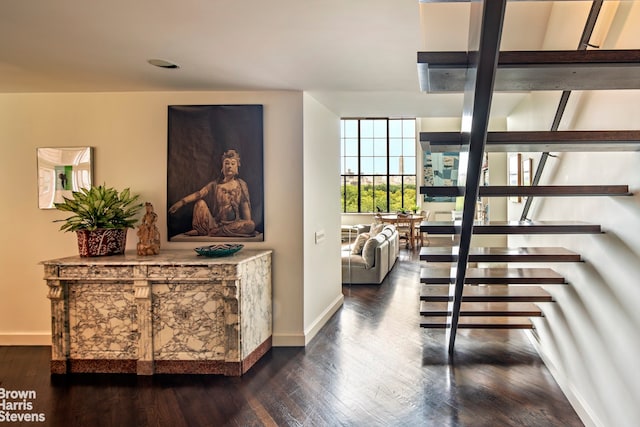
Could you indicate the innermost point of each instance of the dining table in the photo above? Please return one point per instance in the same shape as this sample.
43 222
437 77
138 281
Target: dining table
411 219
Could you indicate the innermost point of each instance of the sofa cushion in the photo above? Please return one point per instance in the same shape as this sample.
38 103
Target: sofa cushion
354 262
369 250
359 243
375 229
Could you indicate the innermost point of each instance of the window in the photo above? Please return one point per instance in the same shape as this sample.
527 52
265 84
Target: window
378 164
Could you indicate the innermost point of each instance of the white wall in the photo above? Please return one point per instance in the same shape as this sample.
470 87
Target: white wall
129 133
321 227
589 336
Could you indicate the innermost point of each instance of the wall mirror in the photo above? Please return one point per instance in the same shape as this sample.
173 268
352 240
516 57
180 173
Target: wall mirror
62 171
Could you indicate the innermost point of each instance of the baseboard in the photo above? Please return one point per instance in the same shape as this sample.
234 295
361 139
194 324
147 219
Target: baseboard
288 340
324 317
302 339
586 414
25 339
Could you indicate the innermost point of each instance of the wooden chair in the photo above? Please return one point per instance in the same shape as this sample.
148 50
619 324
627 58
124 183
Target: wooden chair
403 225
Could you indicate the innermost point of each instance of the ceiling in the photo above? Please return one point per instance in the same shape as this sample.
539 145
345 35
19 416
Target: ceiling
357 57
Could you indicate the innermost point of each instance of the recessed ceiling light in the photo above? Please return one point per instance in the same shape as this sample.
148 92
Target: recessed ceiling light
163 63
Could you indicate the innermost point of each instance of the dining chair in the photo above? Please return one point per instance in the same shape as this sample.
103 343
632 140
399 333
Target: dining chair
404 227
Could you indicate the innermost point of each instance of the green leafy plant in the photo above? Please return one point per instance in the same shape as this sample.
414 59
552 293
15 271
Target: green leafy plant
99 207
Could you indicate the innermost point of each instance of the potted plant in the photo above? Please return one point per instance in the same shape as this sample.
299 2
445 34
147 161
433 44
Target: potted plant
101 217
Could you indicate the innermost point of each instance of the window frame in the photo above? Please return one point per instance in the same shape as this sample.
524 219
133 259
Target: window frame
387 177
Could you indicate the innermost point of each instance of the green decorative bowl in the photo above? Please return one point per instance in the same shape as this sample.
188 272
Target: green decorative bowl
223 249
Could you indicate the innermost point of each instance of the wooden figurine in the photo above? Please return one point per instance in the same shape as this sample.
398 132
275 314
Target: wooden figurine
148 233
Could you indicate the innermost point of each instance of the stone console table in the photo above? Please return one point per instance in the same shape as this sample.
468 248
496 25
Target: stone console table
175 312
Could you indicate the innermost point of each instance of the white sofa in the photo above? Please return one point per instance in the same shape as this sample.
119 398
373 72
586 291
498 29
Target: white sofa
370 257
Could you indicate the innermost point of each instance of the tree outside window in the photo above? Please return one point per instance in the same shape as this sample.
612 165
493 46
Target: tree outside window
378 165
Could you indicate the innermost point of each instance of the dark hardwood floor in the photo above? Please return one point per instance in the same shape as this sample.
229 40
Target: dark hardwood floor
371 365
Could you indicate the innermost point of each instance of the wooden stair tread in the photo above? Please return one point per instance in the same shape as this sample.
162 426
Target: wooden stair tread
529 190
535 70
538 141
437 276
500 254
479 323
473 293
491 309
512 227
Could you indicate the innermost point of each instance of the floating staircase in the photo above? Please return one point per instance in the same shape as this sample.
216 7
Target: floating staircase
493 276
534 70
512 227
492 298
499 297
473 293
527 191
538 141
490 292
498 254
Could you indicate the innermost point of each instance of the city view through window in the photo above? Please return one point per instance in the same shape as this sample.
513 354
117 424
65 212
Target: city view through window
378 165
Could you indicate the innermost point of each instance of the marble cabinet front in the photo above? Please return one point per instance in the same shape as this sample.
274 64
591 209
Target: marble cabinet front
102 321
189 322
171 313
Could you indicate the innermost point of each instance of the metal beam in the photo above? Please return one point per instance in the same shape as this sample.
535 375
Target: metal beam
485 33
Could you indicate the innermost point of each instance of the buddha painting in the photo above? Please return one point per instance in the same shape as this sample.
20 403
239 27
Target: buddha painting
230 214
215 173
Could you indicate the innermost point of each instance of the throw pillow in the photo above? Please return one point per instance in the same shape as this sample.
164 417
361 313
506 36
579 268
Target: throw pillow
369 250
359 243
375 228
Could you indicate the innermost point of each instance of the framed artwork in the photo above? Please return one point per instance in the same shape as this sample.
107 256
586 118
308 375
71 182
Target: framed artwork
515 174
440 169
62 170
527 171
215 173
